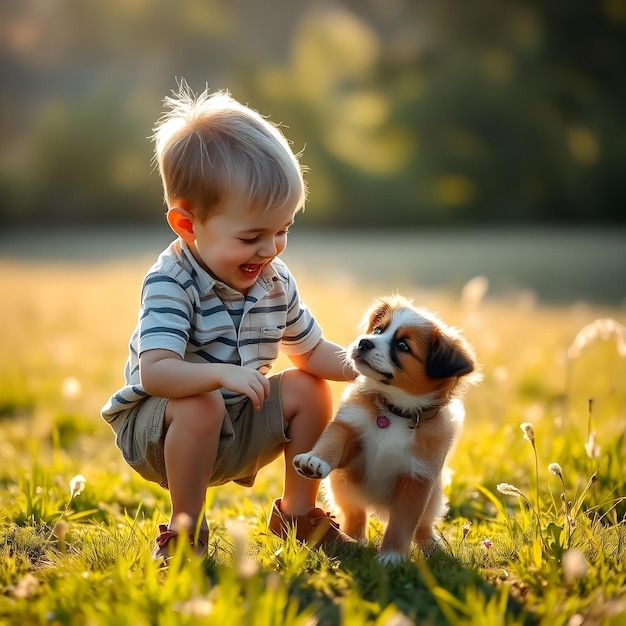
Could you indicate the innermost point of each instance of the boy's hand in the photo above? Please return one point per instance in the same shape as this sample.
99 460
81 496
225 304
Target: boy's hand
246 381
164 374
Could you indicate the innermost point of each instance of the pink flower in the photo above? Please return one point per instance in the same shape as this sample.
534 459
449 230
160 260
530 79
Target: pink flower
487 543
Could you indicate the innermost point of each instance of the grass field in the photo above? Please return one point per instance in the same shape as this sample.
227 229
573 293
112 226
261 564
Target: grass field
547 548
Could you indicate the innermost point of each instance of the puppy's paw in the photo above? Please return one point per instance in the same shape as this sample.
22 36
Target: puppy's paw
430 547
390 559
428 540
310 466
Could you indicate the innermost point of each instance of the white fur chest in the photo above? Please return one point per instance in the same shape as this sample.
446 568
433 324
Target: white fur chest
389 451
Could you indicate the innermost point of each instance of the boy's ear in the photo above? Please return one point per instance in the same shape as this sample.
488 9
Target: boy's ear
181 222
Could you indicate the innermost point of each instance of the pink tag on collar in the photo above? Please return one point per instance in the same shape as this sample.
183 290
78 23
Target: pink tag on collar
382 421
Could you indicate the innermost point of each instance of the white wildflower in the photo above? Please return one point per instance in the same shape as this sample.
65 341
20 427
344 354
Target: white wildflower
501 374
182 524
466 528
397 619
70 388
591 447
474 291
196 607
555 468
245 566
574 566
508 489
77 484
529 432
59 530
603 328
26 587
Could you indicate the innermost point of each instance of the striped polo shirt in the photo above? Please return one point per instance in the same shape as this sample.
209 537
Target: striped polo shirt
185 310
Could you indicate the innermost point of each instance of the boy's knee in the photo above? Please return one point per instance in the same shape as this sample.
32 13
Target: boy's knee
304 382
300 389
201 414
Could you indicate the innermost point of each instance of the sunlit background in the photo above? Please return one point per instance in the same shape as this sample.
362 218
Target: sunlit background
409 113
414 117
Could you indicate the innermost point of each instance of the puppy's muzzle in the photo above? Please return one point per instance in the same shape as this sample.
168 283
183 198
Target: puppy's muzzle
363 352
365 345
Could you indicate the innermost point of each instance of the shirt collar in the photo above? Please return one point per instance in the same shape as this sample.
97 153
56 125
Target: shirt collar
206 282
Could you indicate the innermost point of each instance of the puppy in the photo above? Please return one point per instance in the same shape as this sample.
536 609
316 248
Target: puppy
385 449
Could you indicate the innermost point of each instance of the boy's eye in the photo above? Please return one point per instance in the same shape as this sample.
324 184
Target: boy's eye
280 233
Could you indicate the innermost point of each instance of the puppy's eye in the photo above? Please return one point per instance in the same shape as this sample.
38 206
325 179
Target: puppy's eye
403 346
377 330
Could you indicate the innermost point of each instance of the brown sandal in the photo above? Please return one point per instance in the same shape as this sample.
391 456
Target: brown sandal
162 548
317 528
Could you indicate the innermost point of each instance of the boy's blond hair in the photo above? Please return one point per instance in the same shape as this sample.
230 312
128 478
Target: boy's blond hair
210 145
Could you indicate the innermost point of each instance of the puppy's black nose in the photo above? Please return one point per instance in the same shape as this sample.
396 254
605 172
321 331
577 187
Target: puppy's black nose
365 344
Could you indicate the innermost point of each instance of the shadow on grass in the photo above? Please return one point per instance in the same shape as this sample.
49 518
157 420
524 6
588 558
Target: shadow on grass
436 591
432 590
345 584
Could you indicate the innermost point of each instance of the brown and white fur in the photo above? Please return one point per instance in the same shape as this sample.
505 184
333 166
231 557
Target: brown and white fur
385 450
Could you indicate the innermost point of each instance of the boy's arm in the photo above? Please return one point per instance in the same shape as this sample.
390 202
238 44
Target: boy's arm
326 360
164 374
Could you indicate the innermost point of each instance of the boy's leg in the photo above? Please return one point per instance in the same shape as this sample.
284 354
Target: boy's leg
192 435
307 408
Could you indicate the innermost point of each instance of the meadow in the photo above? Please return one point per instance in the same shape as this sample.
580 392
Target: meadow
536 532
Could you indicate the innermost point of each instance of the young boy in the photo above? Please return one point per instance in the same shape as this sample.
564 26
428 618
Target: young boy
197 409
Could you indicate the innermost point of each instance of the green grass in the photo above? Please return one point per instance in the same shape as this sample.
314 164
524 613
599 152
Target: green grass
533 557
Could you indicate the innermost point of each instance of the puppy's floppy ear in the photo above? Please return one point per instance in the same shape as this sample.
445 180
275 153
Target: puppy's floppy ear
377 315
447 357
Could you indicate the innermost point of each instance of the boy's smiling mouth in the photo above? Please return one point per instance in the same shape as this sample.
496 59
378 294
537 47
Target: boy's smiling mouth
250 269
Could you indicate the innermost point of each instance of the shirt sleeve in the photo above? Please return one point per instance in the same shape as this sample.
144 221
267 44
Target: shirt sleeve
165 315
302 332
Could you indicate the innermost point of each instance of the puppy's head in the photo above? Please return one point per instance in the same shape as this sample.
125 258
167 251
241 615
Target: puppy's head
407 352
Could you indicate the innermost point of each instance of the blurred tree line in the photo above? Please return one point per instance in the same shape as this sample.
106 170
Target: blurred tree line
409 112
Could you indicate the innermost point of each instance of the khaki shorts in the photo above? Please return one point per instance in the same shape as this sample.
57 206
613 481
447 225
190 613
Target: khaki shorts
250 438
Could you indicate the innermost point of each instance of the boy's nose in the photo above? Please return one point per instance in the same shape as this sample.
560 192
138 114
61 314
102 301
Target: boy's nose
269 248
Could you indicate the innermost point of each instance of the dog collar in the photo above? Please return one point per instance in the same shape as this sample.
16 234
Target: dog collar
383 421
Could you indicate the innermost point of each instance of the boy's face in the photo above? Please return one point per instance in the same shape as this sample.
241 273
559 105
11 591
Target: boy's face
235 244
